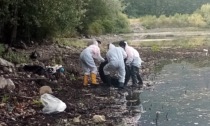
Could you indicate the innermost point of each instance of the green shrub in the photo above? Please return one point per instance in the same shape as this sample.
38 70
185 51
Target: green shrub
148 21
155 48
71 42
121 23
200 18
2 49
96 28
197 20
16 57
204 11
109 26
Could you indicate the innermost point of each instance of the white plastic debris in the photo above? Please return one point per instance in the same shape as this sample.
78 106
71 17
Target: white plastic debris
54 68
206 51
52 104
77 119
99 118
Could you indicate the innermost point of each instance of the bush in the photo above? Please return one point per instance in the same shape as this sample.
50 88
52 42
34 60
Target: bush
204 11
179 20
2 49
197 20
109 26
200 18
121 23
148 21
16 57
96 28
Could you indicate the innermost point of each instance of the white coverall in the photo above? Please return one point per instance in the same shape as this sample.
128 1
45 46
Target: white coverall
134 61
115 57
133 57
87 57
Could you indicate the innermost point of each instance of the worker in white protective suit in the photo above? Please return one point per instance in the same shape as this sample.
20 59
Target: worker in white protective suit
115 57
87 57
134 62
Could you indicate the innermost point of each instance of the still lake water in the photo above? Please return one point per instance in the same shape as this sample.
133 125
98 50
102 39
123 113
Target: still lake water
181 93
180 97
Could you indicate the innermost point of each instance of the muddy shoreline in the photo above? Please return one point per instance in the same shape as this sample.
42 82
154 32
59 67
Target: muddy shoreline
21 107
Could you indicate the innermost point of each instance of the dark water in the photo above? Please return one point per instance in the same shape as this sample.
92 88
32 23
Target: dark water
180 97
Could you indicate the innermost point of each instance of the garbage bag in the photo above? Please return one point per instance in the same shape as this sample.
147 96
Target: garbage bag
114 80
52 104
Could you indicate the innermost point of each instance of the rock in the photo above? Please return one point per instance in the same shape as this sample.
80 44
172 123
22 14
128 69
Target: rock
2 105
3 124
99 118
6 83
45 89
77 119
7 69
3 62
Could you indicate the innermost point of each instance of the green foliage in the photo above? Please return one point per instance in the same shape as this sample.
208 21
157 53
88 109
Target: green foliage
121 24
22 20
37 103
136 8
104 16
5 98
148 21
71 42
16 57
204 11
155 48
26 20
200 18
197 20
2 49
96 28
178 43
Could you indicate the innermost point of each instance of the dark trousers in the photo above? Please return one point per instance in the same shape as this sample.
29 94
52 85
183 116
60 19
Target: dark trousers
135 76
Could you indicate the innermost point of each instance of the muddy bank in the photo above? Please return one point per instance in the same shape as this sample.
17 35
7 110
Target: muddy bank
21 107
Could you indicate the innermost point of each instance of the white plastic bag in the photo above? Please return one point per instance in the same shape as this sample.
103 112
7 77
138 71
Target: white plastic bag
52 104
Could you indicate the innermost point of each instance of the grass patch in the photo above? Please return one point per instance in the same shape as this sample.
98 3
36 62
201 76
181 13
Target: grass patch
177 43
16 57
2 49
71 42
199 18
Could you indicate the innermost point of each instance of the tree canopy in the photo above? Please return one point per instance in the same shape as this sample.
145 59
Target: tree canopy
136 8
27 20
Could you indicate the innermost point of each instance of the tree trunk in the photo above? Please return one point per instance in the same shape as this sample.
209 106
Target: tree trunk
14 29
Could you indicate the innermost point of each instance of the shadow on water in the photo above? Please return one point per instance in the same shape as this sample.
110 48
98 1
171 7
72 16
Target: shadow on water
134 107
181 95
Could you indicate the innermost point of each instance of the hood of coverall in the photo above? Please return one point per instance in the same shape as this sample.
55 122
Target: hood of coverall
95 42
126 43
111 46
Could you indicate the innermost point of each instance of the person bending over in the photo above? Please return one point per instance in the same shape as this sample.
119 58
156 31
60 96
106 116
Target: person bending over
87 57
115 57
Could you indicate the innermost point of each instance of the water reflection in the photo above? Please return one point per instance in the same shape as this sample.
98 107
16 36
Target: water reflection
134 107
181 96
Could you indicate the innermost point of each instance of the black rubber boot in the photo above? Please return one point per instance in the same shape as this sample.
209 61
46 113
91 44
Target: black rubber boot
134 72
108 80
120 85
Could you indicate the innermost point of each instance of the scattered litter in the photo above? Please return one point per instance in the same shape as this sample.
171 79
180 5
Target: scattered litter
99 118
52 104
55 69
77 119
